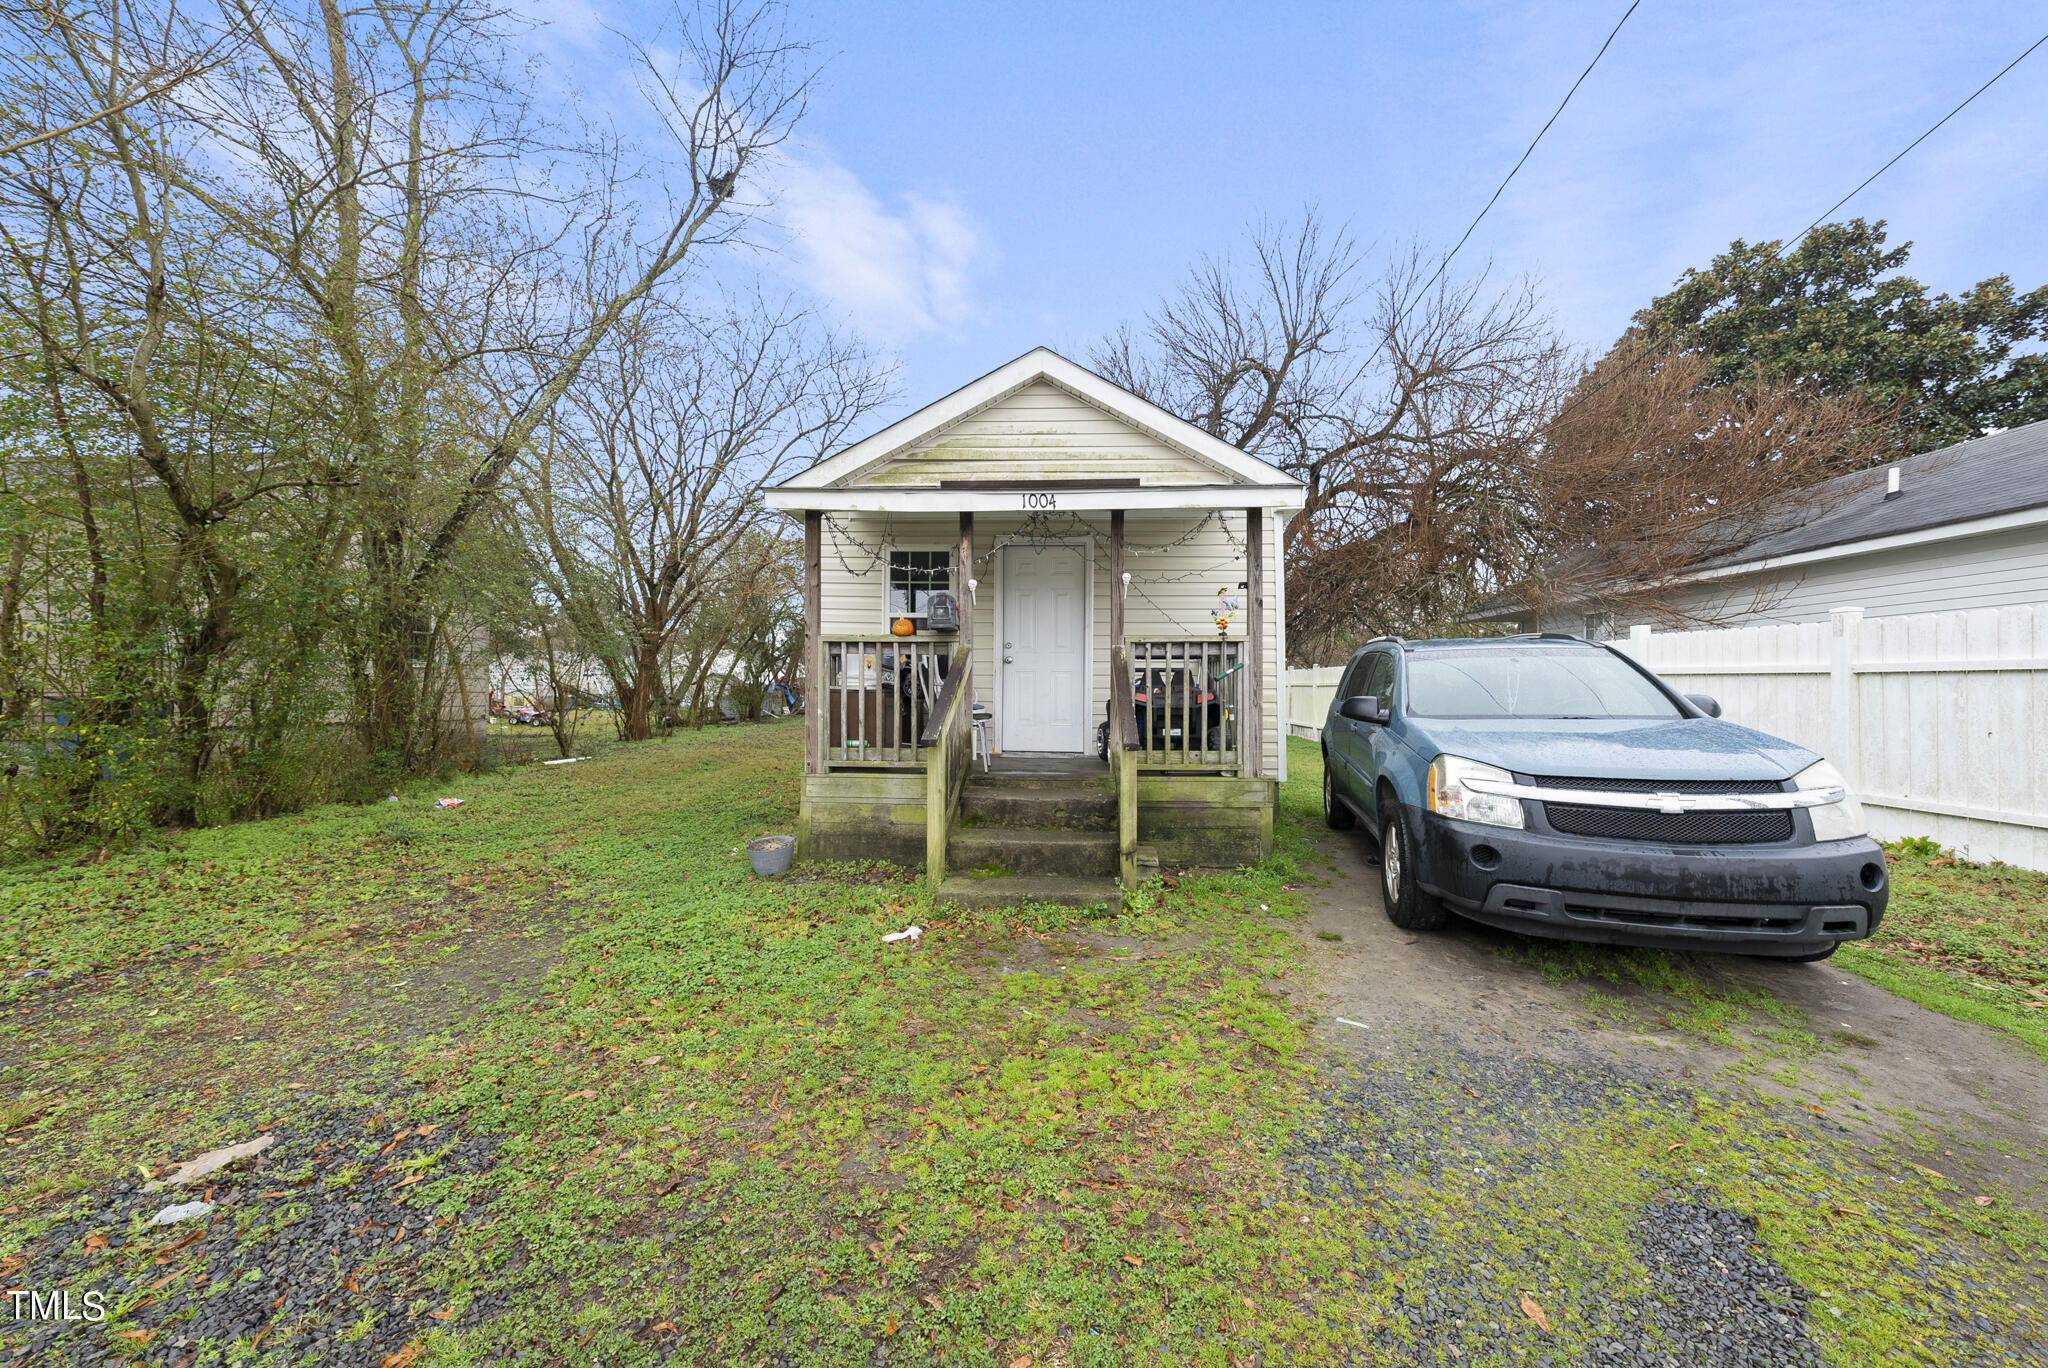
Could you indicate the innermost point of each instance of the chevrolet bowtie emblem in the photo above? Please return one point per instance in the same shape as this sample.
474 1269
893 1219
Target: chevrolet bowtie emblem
1672 803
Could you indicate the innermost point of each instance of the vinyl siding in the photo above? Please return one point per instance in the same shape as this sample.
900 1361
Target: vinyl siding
1172 591
1040 432
1994 570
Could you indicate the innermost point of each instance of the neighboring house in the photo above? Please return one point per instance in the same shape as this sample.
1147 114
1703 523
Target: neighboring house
1962 527
1089 539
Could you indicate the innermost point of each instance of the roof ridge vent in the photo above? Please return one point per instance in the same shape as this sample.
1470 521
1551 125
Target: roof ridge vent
1891 483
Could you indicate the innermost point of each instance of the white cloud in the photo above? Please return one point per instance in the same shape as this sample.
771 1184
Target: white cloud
891 272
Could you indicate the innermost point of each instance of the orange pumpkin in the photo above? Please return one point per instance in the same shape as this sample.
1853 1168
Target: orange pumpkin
903 626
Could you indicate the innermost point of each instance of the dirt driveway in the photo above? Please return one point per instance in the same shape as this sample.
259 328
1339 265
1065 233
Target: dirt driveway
1497 1109
1496 992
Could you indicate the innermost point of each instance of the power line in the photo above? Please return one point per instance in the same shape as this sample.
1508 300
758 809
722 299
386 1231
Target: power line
1445 263
1652 346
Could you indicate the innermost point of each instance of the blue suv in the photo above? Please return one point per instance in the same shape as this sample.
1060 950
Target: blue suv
1553 786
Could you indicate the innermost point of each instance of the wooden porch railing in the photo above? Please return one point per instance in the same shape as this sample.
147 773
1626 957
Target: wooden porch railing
1123 766
1188 702
878 698
947 744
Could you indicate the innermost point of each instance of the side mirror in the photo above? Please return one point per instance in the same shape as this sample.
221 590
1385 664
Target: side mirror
1362 708
1706 703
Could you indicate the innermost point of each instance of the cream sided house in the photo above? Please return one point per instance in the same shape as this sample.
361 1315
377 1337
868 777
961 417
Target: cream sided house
1044 640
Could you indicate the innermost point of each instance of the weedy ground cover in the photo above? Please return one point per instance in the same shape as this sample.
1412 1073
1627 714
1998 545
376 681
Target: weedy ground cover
1967 940
729 1124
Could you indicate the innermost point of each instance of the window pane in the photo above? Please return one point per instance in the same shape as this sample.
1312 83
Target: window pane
913 576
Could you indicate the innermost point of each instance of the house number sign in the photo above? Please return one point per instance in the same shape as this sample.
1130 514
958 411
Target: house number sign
1040 500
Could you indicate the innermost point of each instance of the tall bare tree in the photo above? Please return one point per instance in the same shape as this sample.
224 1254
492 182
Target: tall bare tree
1407 403
645 492
402 190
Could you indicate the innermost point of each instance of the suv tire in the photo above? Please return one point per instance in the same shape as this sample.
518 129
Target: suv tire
1336 816
1408 907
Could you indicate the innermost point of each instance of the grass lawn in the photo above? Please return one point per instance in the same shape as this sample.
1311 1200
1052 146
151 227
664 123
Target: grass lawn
1968 940
737 1127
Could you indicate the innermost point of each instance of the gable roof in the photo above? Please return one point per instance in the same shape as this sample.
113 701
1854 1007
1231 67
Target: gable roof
1223 465
2006 472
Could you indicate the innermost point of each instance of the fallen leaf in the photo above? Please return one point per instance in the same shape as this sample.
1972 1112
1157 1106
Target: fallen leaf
1983 1201
1535 1313
1931 1173
583 1096
1678 1144
1021 1361
441 1315
661 1327
890 1328
139 1336
1134 1261
95 1241
408 1182
270 1196
403 1358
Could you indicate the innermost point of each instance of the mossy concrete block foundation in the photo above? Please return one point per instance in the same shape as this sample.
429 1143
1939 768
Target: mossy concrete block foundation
862 815
1210 821
1188 820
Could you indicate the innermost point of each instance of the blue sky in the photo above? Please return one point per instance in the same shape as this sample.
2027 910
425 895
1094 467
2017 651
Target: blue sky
975 179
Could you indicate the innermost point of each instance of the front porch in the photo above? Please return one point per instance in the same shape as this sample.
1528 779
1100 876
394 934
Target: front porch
1169 766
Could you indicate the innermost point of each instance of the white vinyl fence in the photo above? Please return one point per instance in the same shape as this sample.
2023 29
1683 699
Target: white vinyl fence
1307 699
1939 721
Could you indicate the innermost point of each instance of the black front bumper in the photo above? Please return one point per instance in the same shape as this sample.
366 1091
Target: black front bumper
1785 898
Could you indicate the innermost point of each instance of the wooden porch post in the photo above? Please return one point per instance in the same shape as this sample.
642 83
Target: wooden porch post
815 691
1123 762
1116 581
1253 749
965 574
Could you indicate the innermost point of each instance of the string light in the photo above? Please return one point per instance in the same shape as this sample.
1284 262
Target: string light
1041 532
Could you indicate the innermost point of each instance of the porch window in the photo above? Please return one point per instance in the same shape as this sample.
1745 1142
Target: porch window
913 577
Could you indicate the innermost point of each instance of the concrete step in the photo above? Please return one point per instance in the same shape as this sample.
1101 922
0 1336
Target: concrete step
1069 806
1016 890
1031 850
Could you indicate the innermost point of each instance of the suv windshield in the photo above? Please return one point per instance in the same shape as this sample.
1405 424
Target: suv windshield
1535 681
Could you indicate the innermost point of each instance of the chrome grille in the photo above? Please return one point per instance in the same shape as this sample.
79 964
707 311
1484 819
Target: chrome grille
1659 785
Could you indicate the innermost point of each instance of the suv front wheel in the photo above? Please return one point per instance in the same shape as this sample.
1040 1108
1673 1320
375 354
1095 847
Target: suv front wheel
1336 816
1408 907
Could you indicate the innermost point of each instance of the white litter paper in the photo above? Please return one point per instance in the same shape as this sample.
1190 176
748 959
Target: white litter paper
573 759
910 934
184 1211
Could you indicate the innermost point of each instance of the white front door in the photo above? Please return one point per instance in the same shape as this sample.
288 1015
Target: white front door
1045 649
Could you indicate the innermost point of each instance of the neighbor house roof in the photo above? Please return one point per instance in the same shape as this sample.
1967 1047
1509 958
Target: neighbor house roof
2006 472
1982 485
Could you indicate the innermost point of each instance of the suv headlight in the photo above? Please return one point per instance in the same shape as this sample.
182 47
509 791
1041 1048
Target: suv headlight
1449 795
1836 821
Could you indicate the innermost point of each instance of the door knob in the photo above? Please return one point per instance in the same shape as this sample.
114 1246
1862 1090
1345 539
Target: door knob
1007 660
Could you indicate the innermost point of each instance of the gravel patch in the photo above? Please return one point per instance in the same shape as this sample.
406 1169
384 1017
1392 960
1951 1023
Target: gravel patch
1695 1286
310 1253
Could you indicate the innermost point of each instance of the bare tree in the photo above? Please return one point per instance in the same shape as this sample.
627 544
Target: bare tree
1650 468
645 494
441 248
1408 405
